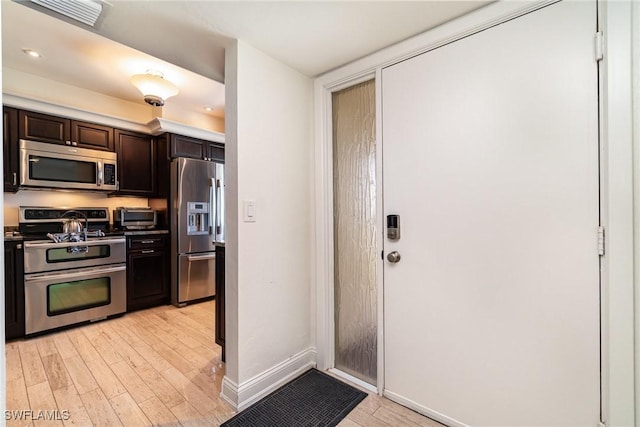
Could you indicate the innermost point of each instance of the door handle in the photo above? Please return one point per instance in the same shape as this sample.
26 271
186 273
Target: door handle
393 257
200 257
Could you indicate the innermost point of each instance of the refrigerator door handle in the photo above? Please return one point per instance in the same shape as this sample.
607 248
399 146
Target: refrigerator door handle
218 208
212 202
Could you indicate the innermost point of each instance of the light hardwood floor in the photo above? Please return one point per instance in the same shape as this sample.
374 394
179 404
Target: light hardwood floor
155 367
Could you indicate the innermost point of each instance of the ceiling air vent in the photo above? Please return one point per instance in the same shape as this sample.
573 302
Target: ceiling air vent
85 11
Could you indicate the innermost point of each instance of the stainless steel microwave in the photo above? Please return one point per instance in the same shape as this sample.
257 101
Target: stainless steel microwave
134 218
45 165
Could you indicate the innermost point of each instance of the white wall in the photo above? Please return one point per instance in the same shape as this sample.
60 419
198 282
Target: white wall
19 83
617 213
268 148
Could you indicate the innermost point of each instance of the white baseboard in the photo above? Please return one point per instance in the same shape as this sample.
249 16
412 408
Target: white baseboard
435 415
229 392
249 392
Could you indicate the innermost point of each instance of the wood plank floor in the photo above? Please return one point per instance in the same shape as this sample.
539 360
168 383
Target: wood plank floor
156 367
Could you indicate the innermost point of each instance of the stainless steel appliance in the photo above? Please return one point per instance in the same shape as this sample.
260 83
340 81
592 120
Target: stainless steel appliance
71 277
135 218
59 166
197 224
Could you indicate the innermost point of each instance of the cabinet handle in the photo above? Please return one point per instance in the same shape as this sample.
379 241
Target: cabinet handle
15 178
150 251
146 241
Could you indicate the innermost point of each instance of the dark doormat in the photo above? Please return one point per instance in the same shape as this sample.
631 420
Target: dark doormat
313 399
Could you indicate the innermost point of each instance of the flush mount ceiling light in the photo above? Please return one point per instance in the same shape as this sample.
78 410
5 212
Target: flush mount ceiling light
85 11
154 87
32 53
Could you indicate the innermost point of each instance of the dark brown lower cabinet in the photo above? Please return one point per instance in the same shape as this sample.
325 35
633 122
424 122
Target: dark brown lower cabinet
13 290
147 271
220 326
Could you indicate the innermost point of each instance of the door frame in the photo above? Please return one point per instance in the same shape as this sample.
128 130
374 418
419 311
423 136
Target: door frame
616 149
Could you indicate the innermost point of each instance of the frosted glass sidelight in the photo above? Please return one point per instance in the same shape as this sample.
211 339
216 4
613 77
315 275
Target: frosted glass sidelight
354 207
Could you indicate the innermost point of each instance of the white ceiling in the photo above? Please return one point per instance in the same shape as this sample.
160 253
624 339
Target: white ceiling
186 39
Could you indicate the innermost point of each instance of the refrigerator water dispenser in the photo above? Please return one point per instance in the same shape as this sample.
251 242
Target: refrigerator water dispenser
198 221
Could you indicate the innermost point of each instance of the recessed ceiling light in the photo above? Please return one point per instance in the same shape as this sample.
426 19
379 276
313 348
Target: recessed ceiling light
32 53
208 109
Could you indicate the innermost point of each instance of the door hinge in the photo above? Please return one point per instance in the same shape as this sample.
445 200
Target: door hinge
601 241
599 46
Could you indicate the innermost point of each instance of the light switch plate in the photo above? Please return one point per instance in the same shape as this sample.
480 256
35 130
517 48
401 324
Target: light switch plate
249 211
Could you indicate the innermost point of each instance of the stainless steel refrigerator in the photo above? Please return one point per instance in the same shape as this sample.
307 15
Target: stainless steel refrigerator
197 224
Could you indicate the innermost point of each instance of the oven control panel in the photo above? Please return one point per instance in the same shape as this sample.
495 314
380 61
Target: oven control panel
36 214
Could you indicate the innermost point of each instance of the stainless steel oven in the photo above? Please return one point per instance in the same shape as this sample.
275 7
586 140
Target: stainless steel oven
73 282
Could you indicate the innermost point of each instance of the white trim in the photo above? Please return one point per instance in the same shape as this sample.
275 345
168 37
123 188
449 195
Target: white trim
380 223
229 392
160 125
357 381
71 112
617 216
243 395
323 279
448 421
153 127
635 25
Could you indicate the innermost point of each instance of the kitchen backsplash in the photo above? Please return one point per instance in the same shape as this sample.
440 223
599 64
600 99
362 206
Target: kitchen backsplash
63 199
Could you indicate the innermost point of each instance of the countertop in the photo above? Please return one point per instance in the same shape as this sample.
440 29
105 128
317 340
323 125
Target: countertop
14 236
10 237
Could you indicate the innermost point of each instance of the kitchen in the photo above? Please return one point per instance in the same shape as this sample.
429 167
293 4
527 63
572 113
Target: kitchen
95 189
266 299
103 259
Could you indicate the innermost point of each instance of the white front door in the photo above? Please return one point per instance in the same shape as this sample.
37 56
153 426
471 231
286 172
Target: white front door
490 157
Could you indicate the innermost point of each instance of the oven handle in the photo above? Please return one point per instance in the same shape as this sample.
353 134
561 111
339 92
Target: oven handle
71 244
70 275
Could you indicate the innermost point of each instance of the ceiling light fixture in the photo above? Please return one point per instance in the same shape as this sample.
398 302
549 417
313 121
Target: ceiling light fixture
208 109
154 87
32 53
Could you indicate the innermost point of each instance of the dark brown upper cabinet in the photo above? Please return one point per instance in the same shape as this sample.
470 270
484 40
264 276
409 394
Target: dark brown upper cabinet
184 146
216 152
136 163
90 135
10 149
59 130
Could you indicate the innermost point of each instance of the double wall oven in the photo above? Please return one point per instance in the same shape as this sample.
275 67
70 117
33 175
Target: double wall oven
71 277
